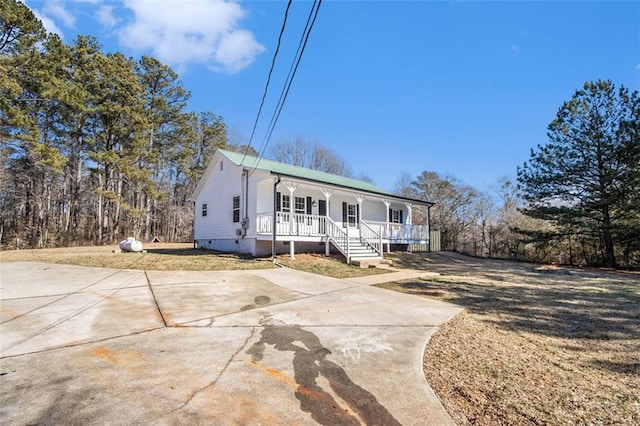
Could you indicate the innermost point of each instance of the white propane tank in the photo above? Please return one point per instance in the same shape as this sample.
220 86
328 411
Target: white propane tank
131 244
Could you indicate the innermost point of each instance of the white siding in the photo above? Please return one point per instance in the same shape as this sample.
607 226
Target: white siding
218 192
374 209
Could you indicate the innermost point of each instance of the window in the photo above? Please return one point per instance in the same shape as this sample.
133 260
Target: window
236 209
204 209
352 215
300 205
395 216
221 165
286 203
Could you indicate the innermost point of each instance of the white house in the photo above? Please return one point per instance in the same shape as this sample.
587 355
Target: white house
249 205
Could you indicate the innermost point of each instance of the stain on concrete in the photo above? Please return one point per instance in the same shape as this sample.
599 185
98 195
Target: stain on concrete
262 300
309 362
257 302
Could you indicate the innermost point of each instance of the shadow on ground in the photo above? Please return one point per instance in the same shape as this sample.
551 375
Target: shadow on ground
554 302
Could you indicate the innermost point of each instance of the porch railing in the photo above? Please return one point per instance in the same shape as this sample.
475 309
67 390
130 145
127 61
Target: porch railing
400 231
302 224
339 237
372 238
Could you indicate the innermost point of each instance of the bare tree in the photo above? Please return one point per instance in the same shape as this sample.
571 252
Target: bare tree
299 152
453 212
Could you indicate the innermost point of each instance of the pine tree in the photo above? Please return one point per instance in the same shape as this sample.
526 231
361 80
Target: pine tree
585 180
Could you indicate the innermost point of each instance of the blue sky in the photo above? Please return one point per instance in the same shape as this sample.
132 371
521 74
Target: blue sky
465 88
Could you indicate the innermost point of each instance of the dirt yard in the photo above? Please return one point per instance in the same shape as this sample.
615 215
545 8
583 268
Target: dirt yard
536 345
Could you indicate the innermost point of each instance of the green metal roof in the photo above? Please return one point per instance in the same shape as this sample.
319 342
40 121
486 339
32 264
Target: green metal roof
303 173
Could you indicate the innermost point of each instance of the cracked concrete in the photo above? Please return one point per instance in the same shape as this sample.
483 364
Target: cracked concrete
95 346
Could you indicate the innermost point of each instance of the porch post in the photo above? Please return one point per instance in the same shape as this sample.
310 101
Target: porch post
291 187
348 249
273 219
327 195
409 207
359 199
429 228
387 203
408 232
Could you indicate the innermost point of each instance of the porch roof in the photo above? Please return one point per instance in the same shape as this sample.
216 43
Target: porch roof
315 176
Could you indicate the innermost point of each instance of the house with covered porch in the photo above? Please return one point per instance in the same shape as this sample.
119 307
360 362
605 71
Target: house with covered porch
248 205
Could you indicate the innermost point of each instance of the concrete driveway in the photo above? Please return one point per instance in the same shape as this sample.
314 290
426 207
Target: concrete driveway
94 346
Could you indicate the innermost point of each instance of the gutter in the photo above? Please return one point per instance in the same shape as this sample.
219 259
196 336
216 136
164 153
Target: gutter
386 195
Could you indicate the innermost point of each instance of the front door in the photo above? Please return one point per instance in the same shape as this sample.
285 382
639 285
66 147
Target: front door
322 207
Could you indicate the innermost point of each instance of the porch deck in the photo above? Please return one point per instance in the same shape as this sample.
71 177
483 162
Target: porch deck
317 227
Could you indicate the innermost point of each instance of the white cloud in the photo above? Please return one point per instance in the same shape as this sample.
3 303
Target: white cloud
204 31
105 16
237 50
57 9
48 23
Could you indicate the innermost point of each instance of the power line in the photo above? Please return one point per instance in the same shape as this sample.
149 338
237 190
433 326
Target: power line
311 19
292 71
266 87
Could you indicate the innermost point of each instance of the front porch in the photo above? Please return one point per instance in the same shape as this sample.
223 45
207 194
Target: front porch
354 239
359 224
314 226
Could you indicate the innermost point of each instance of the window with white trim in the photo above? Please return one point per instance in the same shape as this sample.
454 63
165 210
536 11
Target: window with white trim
286 202
204 209
236 209
395 216
300 205
352 215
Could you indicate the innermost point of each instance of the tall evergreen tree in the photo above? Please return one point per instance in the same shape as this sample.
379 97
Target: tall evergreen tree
586 179
94 147
20 34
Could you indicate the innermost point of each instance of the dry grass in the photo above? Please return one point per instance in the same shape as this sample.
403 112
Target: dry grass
333 266
535 345
158 256
181 257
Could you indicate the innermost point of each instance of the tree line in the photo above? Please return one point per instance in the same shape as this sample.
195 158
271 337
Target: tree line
95 146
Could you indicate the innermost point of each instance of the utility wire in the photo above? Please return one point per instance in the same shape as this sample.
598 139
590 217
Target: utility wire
266 87
292 71
311 19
